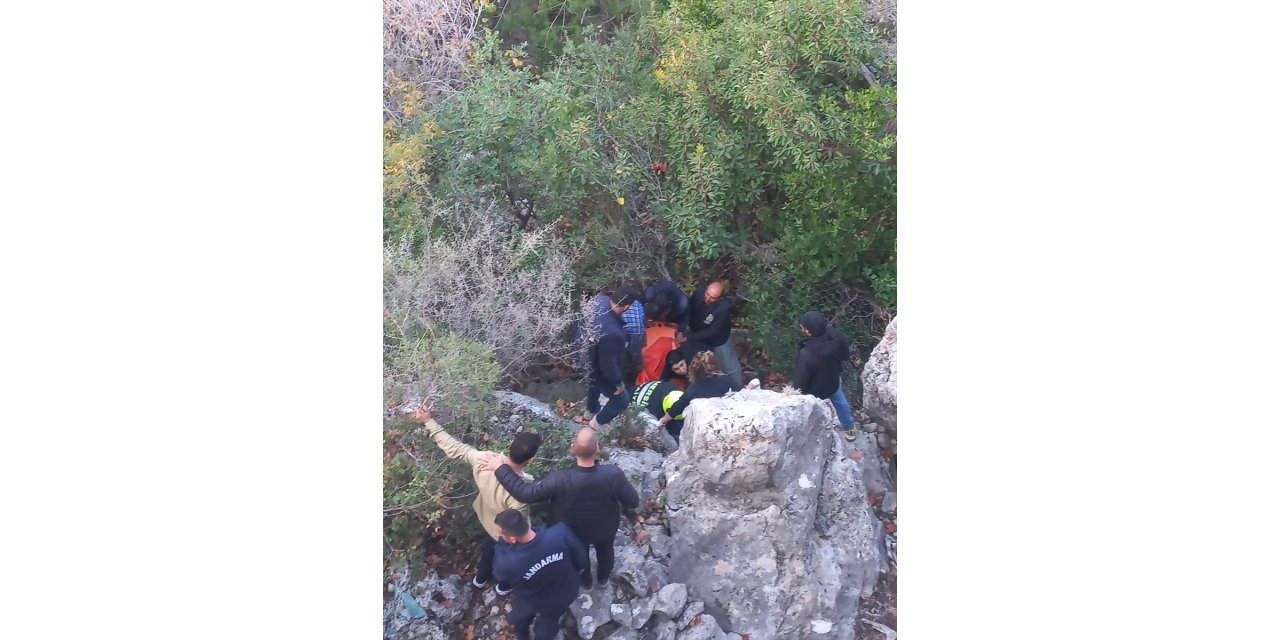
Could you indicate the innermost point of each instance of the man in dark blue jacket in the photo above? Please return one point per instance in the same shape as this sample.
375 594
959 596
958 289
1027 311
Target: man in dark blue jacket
670 304
606 355
542 564
709 323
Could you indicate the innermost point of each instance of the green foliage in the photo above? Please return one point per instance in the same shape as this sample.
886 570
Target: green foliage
423 493
547 26
688 134
780 125
425 361
422 489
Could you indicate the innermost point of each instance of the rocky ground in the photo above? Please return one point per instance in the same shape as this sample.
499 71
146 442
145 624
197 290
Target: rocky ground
640 602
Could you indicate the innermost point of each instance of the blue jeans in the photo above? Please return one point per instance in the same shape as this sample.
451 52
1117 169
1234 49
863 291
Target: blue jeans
842 407
484 572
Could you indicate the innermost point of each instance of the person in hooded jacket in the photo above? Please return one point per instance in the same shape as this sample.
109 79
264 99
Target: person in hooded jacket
819 361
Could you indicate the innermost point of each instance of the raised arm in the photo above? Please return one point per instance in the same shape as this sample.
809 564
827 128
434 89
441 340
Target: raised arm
452 447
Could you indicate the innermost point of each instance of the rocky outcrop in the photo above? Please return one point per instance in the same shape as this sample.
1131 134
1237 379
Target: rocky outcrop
643 469
769 519
880 379
757 527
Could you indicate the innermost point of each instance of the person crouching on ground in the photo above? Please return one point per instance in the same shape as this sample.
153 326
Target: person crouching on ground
656 398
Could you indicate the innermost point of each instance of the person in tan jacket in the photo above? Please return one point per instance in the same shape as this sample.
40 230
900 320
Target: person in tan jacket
492 498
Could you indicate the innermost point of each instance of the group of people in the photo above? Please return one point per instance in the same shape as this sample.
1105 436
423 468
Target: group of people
625 332
625 327
546 566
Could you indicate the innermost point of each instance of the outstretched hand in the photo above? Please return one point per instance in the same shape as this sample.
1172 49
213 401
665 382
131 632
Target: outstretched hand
491 462
422 414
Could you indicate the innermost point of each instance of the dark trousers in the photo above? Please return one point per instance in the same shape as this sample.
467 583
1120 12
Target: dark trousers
616 404
545 628
484 572
604 559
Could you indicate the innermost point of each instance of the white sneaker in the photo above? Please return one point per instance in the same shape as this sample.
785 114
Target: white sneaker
501 591
754 384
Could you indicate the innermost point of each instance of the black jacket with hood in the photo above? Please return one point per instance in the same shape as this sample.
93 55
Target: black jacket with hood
819 361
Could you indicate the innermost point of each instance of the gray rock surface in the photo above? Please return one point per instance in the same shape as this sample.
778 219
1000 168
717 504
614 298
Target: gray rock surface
642 610
430 594
671 600
664 630
623 633
659 543
880 379
531 405
707 628
873 476
621 613
769 518
640 574
643 468
592 610
690 612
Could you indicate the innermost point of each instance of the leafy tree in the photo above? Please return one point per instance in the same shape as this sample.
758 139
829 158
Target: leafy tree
547 26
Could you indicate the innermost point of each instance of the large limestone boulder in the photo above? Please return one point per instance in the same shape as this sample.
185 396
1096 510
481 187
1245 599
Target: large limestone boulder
880 379
769 519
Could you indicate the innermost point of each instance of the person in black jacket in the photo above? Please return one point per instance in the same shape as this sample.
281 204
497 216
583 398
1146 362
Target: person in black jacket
670 304
707 380
542 564
819 361
606 355
588 498
709 312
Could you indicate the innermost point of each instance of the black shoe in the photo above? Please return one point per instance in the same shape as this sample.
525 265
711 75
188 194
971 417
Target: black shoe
501 591
585 580
475 582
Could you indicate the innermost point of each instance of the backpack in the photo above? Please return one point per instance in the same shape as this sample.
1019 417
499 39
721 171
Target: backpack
659 340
